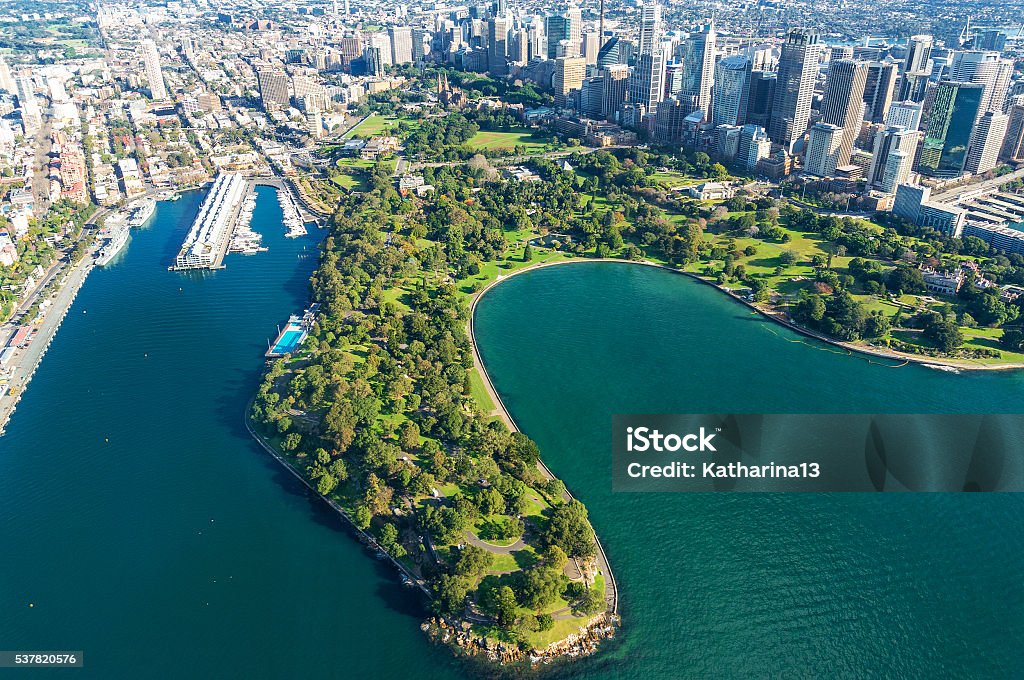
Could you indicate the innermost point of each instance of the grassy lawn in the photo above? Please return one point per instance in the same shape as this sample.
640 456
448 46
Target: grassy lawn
507 140
374 124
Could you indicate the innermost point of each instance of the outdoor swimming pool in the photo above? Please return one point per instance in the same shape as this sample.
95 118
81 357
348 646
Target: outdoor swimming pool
291 338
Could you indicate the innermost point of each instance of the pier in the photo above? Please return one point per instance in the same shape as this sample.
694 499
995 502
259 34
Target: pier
208 239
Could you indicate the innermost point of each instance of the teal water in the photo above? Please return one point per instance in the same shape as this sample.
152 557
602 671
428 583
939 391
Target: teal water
755 585
130 441
140 519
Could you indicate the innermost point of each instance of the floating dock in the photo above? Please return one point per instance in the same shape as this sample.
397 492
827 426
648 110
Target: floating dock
208 239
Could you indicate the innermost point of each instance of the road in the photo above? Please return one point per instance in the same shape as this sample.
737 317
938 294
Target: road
41 174
23 365
952 195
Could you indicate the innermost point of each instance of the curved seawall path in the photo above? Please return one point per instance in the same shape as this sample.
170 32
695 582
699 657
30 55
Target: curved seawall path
755 585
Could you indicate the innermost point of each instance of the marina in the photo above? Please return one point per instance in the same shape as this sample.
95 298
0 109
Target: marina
208 239
245 240
292 215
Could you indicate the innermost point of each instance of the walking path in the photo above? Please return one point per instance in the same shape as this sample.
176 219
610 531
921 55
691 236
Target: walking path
611 588
25 361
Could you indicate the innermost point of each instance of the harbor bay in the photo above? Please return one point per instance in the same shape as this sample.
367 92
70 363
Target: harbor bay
159 543
163 542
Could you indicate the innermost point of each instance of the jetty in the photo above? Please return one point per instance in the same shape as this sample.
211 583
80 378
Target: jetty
208 239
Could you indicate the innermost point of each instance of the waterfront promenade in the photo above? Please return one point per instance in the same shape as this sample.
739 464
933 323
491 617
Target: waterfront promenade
25 361
611 592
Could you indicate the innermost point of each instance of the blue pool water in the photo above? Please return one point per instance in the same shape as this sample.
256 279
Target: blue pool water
288 342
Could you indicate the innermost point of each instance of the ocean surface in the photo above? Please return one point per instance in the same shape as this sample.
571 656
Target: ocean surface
140 524
755 585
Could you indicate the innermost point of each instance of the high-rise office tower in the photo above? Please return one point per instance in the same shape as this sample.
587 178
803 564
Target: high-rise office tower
592 96
650 27
591 45
273 89
497 45
798 70
904 114
762 94
401 44
916 68
646 82
1013 144
842 104
373 55
151 60
823 149
383 41
699 69
670 119
986 142
6 81
574 29
556 29
986 68
894 144
519 47
420 38
991 39
948 132
613 91
569 74
878 89
732 90
538 44
754 145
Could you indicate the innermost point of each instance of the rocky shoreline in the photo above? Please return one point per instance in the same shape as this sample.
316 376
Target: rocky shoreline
459 637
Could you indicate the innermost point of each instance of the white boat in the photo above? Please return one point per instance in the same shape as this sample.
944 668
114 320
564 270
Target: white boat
142 212
116 238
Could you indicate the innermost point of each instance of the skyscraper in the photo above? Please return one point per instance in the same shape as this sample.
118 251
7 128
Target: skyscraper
986 142
569 74
823 149
574 29
893 145
646 82
556 28
754 145
1013 144
732 90
986 68
401 44
699 69
842 104
798 70
497 45
905 114
650 27
762 93
916 68
948 132
614 90
151 60
878 89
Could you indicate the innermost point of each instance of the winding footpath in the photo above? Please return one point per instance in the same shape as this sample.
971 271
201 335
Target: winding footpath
611 592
